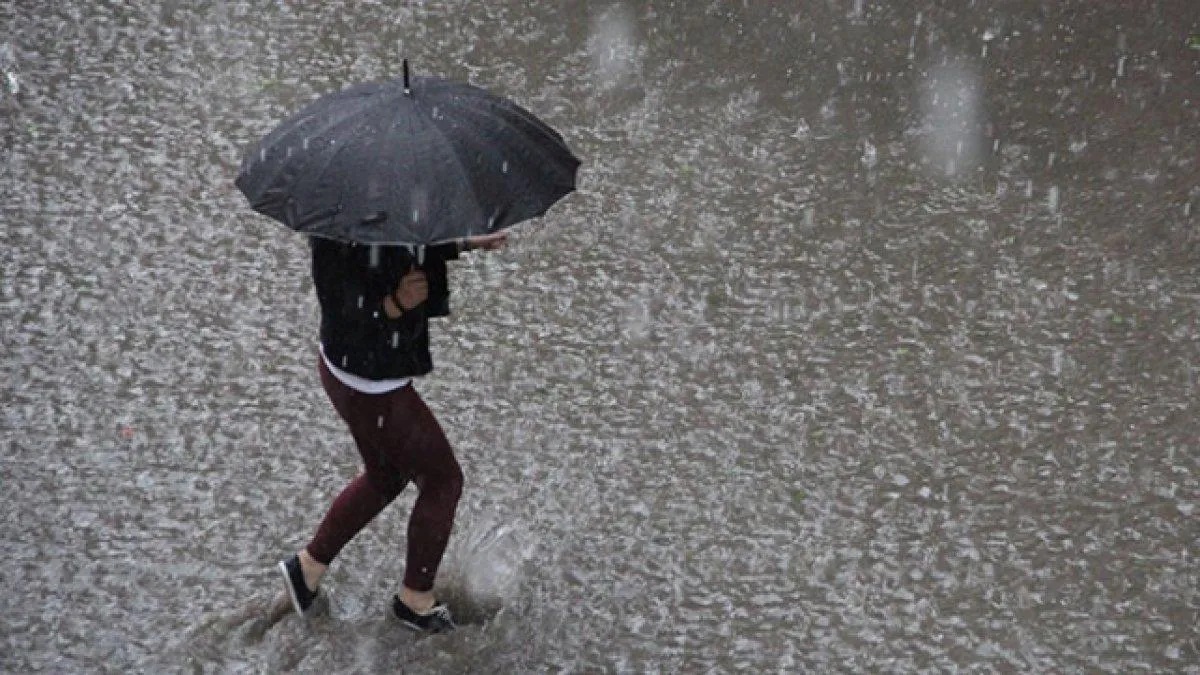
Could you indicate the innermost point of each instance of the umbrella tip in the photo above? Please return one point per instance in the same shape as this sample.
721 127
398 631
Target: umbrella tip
407 90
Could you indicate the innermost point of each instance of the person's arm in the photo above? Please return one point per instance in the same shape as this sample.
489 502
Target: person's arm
483 242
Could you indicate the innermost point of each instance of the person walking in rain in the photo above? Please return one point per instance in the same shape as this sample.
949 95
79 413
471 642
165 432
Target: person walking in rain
391 180
376 302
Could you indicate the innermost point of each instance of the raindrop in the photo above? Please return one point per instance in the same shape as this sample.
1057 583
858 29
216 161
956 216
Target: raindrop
416 215
305 145
373 256
262 155
504 167
360 302
8 64
612 46
1052 199
870 154
379 422
395 339
1121 66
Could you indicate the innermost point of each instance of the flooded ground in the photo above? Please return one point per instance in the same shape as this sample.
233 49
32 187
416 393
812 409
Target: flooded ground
869 342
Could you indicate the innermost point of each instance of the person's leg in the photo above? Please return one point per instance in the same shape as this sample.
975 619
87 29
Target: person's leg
426 455
366 495
358 504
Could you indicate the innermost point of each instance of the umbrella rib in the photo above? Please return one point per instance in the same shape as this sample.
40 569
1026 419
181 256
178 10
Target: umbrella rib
464 174
390 132
320 174
282 167
533 140
529 152
518 119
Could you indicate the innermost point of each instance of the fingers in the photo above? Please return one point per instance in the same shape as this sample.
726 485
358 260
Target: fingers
414 285
412 290
489 242
414 276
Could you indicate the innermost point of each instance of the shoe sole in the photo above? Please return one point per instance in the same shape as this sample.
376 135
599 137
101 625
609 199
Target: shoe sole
424 631
291 590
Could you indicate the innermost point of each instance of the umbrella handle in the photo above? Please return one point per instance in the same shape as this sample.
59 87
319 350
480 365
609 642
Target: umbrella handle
417 253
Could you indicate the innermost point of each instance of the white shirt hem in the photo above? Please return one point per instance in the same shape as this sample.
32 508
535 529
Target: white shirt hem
363 384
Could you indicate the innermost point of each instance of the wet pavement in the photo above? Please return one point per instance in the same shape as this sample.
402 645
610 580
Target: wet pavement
869 342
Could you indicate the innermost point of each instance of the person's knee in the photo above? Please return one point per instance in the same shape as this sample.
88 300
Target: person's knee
452 484
446 484
447 474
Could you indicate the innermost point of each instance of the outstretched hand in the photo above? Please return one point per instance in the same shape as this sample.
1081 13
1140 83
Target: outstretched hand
488 242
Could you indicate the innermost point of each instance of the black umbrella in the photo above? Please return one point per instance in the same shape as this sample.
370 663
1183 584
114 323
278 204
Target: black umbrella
414 161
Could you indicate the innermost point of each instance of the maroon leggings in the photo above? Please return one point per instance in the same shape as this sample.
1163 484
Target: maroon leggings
400 441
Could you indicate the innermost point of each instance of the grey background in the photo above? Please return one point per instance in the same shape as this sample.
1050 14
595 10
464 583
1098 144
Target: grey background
868 343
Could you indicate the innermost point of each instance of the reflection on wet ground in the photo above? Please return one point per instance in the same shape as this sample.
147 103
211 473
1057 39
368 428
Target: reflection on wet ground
869 343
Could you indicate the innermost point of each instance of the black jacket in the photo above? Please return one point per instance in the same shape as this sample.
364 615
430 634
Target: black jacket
352 281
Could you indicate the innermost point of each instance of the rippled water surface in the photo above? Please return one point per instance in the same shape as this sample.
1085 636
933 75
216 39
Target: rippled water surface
869 342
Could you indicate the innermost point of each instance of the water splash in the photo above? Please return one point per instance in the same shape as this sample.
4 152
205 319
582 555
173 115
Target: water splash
613 46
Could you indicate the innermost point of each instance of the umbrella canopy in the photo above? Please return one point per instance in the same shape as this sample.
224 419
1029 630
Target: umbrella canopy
413 161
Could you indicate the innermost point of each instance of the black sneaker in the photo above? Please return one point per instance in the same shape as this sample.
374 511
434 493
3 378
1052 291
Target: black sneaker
293 581
436 620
